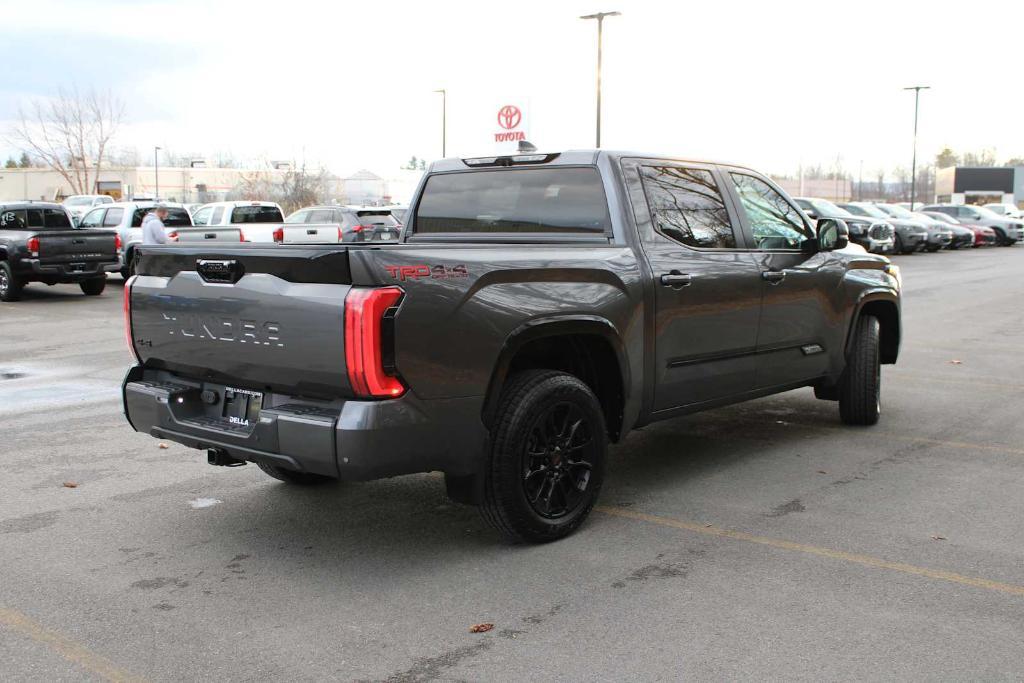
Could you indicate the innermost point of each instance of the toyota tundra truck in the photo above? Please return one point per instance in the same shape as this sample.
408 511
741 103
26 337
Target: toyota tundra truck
535 308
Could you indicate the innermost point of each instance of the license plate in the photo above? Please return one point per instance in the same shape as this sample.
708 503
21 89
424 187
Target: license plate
386 236
241 406
77 267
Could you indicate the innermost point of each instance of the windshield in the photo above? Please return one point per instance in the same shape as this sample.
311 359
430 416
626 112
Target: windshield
867 210
826 208
939 216
78 201
898 211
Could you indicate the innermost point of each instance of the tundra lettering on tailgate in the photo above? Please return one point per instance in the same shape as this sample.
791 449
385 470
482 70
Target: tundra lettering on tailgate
225 328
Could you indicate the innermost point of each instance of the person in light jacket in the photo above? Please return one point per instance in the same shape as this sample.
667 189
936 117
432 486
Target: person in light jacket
153 231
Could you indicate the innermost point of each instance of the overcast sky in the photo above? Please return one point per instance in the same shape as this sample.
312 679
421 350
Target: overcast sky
349 84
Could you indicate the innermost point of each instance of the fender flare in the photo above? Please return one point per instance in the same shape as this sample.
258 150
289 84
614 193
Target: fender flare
553 326
868 298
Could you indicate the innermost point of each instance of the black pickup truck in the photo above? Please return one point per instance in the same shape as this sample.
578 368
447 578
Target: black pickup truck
39 244
535 308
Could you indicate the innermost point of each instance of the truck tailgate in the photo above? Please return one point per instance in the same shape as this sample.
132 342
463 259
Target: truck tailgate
201 234
311 233
256 317
76 246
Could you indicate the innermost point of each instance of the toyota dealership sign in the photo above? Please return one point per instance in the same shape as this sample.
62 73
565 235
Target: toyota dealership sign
511 126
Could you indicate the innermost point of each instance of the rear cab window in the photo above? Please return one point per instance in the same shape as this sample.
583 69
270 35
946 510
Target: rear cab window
176 218
378 219
565 200
256 214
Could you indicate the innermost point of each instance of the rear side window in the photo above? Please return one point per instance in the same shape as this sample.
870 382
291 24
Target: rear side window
56 218
536 200
256 214
321 216
298 217
688 207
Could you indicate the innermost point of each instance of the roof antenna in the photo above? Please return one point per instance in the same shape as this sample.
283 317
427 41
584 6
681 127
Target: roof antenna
525 147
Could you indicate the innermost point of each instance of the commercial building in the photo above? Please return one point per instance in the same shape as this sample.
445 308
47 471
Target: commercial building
201 184
980 185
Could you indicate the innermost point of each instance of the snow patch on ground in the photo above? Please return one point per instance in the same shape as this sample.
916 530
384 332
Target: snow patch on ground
200 503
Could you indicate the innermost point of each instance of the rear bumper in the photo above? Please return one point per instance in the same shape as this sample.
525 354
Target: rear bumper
351 440
32 269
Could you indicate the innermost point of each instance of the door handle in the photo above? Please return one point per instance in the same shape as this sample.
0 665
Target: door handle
774 277
676 280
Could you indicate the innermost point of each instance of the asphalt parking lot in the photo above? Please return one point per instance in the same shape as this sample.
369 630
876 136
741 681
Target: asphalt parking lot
764 540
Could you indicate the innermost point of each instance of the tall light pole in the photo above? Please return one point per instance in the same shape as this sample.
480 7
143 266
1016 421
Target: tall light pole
913 164
156 172
444 122
600 25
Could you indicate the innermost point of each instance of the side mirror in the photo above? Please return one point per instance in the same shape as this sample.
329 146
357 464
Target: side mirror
833 233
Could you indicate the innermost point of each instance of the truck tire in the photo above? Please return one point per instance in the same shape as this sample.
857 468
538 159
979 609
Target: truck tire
860 388
293 477
128 269
93 287
10 286
546 465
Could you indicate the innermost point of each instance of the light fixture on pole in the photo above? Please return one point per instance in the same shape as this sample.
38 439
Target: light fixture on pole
444 121
156 172
913 164
600 24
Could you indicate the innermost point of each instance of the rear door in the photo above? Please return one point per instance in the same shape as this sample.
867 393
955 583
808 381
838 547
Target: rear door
802 312
707 286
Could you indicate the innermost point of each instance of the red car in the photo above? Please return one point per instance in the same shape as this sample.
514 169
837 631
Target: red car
983 236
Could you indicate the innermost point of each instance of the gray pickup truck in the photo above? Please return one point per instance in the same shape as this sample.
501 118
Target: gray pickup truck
39 244
536 308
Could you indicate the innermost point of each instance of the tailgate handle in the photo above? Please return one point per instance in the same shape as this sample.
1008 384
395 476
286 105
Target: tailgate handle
313 231
220 270
74 241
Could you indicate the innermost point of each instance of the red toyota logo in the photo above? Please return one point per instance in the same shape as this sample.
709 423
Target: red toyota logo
509 116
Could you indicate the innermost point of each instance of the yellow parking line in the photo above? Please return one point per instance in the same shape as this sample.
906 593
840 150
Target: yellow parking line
65 647
956 380
865 560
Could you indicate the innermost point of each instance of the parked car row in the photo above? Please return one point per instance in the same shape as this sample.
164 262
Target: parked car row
890 228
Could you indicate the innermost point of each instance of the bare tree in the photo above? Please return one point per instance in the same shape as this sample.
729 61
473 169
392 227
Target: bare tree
70 133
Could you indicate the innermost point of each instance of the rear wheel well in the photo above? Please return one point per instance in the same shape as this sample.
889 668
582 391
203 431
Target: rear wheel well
889 328
590 357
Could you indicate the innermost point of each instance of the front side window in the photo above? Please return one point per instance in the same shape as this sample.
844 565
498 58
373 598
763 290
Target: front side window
202 216
774 222
522 201
687 206
113 217
93 219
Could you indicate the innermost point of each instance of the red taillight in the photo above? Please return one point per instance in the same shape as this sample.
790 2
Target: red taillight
279 235
173 236
358 228
33 246
365 311
117 242
340 236
241 235
128 317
